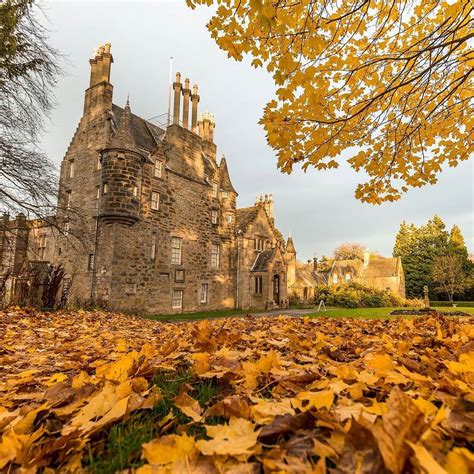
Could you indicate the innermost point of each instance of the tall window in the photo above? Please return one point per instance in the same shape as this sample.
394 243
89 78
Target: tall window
99 164
215 256
158 168
97 192
334 277
71 168
66 228
177 300
68 200
259 244
176 250
135 191
105 189
203 298
155 201
214 216
258 285
153 246
215 190
42 246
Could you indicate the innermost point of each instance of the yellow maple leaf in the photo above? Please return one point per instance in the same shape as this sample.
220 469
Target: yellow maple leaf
426 460
238 438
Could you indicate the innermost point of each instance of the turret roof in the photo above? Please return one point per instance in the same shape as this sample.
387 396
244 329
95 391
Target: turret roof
290 246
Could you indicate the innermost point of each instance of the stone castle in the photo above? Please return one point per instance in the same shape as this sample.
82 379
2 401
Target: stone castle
147 216
147 220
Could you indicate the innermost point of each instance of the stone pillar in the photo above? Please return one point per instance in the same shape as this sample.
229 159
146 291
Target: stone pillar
206 125
177 97
211 131
186 95
194 113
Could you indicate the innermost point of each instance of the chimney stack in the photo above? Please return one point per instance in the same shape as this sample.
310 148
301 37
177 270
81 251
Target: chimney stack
101 65
186 96
177 87
315 264
194 112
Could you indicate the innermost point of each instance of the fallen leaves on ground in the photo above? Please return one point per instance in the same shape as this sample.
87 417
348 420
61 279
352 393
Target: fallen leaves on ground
293 395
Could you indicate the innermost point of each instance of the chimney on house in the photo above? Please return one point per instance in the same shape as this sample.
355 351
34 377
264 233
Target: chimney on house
366 257
186 97
206 127
194 112
100 65
268 204
315 264
98 97
177 87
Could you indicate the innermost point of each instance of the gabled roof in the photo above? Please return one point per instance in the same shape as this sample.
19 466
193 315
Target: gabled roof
262 261
245 216
381 267
225 182
145 134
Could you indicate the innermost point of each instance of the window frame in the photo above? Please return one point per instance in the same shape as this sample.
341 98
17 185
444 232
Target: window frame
215 190
158 169
214 217
258 286
155 204
215 255
204 293
179 249
180 299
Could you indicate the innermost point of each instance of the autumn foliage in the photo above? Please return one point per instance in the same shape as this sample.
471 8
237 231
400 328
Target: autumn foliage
386 84
293 395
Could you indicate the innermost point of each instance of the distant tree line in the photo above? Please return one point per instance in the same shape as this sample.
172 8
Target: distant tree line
435 257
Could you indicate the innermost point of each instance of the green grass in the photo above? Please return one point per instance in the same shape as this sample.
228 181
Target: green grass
119 446
371 313
200 315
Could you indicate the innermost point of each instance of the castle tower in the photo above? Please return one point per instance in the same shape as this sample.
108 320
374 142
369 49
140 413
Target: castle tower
290 258
121 173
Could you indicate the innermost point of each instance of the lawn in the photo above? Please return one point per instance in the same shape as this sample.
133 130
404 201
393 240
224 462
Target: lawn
373 313
366 313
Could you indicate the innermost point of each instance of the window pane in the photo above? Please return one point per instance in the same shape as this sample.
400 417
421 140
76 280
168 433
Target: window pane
176 251
158 168
215 256
204 290
177 301
155 201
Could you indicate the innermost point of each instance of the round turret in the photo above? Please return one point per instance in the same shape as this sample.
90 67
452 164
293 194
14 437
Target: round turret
121 173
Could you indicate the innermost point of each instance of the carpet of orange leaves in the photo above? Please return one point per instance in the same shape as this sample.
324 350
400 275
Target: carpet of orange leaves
296 395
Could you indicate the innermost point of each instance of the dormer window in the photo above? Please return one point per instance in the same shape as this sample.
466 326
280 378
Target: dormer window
224 194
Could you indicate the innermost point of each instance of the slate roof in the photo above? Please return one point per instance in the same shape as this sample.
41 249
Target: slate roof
245 216
226 183
262 260
145 134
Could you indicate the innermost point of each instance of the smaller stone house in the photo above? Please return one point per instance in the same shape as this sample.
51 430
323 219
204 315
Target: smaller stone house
373 271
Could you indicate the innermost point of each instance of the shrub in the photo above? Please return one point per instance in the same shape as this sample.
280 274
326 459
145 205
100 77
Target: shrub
355 295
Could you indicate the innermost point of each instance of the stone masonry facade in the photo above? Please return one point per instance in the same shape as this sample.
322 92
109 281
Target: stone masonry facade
147 216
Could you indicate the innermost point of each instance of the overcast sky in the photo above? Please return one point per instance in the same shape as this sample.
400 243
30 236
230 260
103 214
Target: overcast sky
318 207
